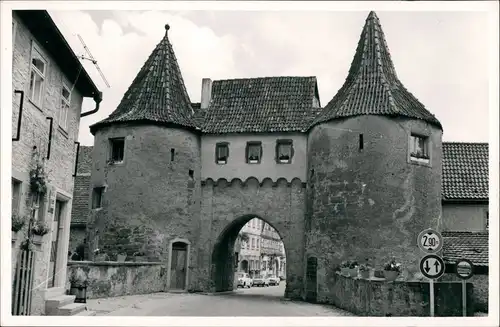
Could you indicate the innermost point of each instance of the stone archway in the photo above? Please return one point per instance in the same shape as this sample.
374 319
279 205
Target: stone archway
227 205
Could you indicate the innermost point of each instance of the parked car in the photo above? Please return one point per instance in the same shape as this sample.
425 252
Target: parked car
244 280
261 281
273 280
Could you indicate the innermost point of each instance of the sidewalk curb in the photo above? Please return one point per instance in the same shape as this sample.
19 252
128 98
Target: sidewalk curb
218 293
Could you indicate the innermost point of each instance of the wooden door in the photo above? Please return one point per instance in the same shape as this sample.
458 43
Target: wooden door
178 266
311 279
56 231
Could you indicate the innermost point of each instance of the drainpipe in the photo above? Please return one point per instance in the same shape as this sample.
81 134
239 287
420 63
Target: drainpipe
97 99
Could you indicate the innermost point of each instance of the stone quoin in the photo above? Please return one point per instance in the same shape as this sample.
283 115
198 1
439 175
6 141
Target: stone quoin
360 179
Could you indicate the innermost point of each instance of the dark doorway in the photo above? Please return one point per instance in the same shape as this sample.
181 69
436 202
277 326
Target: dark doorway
244 266
311 279
178 266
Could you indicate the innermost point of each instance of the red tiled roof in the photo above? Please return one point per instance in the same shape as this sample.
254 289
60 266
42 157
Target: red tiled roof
372 86
465 171
157 94
466 245
266 104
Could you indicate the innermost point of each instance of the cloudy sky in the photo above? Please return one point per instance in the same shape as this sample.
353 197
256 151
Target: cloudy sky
441 57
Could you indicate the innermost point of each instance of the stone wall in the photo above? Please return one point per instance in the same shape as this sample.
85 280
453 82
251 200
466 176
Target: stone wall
481 292
110 279
76 237
380 298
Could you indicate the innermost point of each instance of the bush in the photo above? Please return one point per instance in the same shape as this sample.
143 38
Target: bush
78 278
392 266
18 222
353 264
345 264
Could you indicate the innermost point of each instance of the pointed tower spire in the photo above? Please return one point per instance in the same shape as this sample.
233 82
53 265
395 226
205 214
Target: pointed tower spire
372 86
157 94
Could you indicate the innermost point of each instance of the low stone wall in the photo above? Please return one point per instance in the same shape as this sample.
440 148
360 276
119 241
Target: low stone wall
377 297
480 295
109 279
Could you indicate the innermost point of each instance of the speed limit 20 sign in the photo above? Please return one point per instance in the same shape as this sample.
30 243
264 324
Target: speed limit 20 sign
430 241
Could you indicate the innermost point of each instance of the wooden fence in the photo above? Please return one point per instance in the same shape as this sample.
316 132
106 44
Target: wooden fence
23 283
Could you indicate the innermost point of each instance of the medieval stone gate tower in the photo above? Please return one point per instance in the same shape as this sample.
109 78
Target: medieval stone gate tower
357 179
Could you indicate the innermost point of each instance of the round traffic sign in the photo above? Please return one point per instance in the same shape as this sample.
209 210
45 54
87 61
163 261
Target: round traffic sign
465 268
432 266
430 241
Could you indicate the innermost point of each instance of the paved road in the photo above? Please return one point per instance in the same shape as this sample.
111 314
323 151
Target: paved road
256 301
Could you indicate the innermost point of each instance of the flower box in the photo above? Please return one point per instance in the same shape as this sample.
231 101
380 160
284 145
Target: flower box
353 272
365 274
344 271
140 258
37 239
391 275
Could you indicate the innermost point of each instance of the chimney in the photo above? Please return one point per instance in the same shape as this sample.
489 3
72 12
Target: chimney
206 92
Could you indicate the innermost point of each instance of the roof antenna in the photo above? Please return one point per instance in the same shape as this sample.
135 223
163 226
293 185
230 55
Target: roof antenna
91 59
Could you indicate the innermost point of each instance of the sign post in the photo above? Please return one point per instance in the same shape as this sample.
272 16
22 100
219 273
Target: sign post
430 241
432 266
465 270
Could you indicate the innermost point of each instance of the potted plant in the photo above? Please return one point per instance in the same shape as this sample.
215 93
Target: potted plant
139 256
344 268
364 271
18 223
26 245
121 257
392 269
39 230
100 256
78 285
353 269
38 176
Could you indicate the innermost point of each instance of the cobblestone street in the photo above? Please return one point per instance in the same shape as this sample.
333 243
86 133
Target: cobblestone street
256 301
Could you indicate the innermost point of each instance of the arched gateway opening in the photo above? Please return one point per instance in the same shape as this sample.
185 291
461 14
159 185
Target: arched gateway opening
251 249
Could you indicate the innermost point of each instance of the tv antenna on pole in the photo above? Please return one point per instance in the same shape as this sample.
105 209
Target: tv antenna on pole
92 59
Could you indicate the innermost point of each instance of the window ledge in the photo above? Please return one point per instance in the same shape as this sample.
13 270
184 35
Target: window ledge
420 161
284 162
115 163
35 105
221 162
63 131
253 162
97 209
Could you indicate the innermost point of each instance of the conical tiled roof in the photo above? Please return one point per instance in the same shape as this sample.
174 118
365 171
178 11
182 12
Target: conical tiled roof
372 86
157 94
